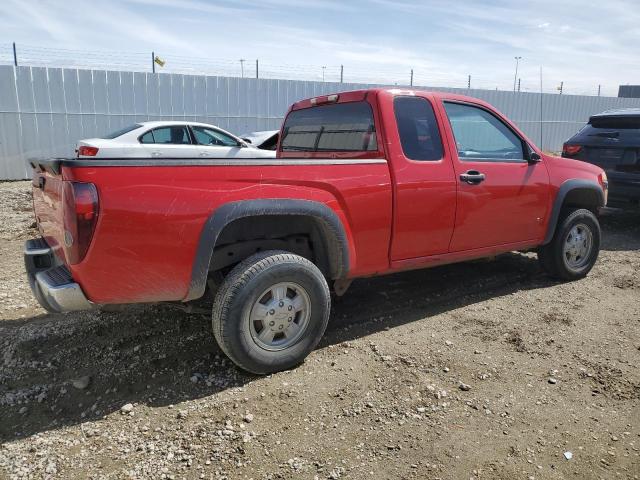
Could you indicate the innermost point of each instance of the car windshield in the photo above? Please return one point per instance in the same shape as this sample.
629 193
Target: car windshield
121 132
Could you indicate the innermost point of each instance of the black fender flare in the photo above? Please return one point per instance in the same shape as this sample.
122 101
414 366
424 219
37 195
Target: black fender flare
333 233
563 191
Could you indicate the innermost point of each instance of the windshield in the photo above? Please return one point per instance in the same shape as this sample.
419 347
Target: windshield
121 132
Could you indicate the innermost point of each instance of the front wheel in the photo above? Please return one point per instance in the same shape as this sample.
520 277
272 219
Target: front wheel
574 249
271 311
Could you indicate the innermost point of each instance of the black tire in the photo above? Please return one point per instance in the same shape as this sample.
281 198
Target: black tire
552 256
244 286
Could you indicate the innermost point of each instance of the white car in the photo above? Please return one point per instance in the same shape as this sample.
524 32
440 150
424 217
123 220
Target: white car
169 140
265 140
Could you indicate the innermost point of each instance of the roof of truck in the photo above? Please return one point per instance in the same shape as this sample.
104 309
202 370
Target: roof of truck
353 95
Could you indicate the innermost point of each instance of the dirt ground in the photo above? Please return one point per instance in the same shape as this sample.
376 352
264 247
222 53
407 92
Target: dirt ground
487 370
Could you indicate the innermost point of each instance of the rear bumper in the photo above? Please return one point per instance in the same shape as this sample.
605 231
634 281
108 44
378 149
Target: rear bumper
50 281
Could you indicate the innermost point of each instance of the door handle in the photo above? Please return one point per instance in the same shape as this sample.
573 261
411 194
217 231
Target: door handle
204 154
472 177
156 154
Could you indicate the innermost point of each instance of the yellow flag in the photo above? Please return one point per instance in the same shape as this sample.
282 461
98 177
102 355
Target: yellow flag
159 61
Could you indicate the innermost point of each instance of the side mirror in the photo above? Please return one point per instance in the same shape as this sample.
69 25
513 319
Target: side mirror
534 157
246 140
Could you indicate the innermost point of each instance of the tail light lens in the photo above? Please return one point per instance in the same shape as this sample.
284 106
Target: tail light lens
80 218
571 150
85 151
604 183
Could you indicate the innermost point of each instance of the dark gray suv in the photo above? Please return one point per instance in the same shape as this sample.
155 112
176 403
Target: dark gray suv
611 140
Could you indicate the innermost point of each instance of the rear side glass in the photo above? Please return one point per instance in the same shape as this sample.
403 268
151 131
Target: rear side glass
122 131
615 122
418 129
147 137
175 135
342 127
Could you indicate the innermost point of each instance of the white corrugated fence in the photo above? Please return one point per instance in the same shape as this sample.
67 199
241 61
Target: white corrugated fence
44 111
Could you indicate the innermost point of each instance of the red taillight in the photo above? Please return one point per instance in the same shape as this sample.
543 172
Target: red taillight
85 151
571 149
80 218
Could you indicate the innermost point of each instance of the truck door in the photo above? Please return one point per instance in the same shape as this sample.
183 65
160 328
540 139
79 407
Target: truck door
424 179
502 197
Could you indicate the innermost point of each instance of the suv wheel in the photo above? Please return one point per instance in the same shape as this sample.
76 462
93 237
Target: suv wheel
271 311
574 248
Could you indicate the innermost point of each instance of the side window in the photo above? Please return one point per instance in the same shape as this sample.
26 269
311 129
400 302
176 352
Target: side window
175 135
480 135
147 137
418 129
208 136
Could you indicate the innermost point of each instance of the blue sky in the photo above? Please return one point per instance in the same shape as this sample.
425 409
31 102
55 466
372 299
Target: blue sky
579 42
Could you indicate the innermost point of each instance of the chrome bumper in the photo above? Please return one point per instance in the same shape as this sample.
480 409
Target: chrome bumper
50 281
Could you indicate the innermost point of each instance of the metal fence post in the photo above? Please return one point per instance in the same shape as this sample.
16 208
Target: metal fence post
341 73
153 62
257 68
469 82
411 81
15 55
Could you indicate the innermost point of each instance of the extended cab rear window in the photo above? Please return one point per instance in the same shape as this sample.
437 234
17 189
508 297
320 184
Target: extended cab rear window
341 127
418 129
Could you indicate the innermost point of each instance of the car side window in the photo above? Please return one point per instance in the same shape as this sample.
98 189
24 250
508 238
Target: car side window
418 129
174 135
147 137
482 136
211 137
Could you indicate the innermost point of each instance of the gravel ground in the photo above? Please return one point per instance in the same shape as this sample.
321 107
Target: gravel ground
471 371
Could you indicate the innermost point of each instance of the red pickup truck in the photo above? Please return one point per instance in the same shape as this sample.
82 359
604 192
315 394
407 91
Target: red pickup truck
364 183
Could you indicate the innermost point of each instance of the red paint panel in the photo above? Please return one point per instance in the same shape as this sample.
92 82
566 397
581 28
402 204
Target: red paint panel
425 193
151 219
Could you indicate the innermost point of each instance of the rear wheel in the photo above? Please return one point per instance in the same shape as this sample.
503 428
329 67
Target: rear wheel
574 249
271 311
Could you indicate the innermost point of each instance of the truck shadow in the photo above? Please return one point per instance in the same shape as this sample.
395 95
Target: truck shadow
621 230
159 355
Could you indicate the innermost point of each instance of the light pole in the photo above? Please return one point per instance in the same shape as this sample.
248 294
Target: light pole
516 75
323 69
242 67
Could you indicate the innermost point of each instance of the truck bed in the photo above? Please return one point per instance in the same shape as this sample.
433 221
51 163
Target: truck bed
152 214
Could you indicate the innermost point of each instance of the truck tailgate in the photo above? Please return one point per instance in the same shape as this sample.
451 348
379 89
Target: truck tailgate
48 207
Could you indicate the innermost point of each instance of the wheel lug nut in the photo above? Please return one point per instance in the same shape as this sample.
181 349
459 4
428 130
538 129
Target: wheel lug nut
272 312
290 319
272 323
281 303
280 327
290 308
